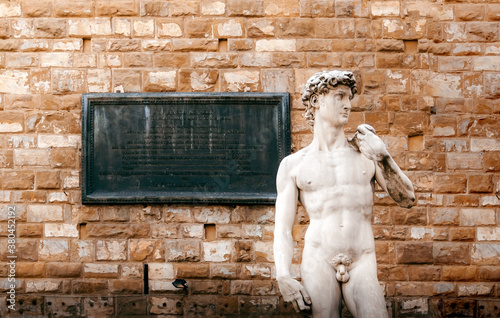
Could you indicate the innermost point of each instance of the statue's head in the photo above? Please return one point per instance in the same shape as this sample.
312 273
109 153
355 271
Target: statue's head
321 83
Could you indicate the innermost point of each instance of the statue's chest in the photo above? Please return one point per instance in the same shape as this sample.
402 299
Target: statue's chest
330 170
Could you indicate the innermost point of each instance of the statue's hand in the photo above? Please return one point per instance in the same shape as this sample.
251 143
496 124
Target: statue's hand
370 144
294 292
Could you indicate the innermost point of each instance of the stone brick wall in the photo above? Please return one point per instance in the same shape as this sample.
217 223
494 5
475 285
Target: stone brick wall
429 74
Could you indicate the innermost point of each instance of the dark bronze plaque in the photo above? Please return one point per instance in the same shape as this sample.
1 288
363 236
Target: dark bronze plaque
183 147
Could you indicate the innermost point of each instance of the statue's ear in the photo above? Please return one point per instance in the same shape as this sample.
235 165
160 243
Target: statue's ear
313 100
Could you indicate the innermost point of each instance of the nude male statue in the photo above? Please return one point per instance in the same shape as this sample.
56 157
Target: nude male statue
334 180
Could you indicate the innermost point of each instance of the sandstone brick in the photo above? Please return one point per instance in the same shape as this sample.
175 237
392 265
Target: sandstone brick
53 250
290 60
122 26
141 59
64 158
489 273
492 161
6 159
256 59
414 253
60 230
192 270
296 28
488 234
337 29
16 60
390 45
198 28
323 59
459 273
469 12
14 82
32 197
182 250
65 9
256 271
489 200
166 305
229 28
260 28
213 7
100 270
131 270
44 213
464 161
99 81
245 8
424 273
486 144
160 81
482 31
462 234
35 45
30 230
124 45
214 60
89 27
64 269
223 271
43 286
122 230
68 81
188 7
158 271
140 250
408 124
111 250
475 290
153 45
275 45
244 251
49 28
313 8
126 81
195 45
95 306
89 287
22 28
385 8
198 80
171 59
241 81
169 28
114 8
473 217
82 251
30 270
451 253
155 8
449 183
426 161
217 251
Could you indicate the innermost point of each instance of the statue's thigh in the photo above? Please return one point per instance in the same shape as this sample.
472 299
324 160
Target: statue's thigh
319 280
362 293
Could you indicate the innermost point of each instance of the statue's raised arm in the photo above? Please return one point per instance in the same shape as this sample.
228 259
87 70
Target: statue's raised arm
387 173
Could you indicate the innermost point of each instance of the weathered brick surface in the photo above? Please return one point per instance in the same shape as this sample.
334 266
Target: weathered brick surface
428 74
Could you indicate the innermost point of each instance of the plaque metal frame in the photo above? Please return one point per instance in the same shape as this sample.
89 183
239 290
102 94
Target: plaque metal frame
96 191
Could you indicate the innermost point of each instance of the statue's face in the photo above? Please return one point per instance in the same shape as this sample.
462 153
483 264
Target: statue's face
335 106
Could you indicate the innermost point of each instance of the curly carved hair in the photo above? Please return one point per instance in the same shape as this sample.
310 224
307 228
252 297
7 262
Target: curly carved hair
321 83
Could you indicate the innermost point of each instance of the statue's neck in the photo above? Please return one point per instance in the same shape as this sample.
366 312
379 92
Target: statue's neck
328 137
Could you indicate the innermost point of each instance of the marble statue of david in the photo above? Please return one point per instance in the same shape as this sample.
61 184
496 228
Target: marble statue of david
333 178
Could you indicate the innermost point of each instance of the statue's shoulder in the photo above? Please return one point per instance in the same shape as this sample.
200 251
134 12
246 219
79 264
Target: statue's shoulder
295 158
